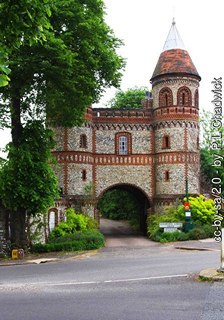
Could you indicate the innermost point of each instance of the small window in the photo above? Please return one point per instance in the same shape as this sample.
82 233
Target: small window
52 220
166 142
198 143
183 99
196 99
166 99
83 175
123 145
166 175
83 141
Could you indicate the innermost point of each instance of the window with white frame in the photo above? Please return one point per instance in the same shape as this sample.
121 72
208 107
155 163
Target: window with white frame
123 145
52 221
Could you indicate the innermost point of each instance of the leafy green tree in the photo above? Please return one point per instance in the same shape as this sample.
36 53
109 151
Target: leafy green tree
27 182
131 98
53 81
24 20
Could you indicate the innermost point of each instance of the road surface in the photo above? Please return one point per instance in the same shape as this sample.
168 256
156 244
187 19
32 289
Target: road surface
153 282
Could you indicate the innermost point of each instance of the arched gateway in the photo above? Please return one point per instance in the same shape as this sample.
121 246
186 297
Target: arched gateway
141 197
152 150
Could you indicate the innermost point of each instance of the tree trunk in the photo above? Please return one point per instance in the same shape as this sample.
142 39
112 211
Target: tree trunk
17 218
18 228
16 125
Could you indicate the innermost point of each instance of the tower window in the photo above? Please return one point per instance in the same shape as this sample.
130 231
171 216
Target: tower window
166 142
84 177
83 141
198 143
166 175
165 97
184 97
196 99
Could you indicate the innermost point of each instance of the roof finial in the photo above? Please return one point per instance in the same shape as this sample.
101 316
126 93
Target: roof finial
173 40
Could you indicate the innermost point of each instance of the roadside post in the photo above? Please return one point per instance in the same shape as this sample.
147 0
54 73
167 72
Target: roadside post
222 252
188 225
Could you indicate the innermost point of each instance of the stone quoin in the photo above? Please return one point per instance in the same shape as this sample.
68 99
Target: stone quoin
149 151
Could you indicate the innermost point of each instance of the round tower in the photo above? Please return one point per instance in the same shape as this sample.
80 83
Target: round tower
175 83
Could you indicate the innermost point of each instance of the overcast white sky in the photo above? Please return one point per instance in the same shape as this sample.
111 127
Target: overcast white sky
143 26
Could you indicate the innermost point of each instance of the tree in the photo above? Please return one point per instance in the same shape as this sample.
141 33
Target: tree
54 81
119 205
131 98
24 20
27 182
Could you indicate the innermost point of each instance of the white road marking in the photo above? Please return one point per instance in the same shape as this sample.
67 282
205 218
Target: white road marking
148 278
75 283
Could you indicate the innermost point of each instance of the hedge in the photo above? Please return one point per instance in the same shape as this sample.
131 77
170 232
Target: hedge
89 240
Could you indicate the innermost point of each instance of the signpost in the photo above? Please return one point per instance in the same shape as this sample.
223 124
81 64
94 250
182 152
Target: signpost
170 226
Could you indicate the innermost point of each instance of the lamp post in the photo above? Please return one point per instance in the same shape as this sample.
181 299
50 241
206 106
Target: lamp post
188 224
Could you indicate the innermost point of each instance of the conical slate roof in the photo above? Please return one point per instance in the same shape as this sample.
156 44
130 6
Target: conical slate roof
174 59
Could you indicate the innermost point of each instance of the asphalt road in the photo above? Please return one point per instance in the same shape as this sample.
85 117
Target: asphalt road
118 283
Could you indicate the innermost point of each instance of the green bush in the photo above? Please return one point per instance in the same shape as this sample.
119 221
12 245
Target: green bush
197 233
202 217
170 214
202 210
75 222
88 240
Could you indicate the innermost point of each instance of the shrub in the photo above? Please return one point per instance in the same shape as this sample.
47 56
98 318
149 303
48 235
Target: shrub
88 240
202 210
196 234
75 222
170 214
202 216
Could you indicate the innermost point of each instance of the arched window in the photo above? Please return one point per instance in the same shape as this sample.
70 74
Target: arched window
123 143
83 141
165 97
84 177
196 98
166 142
184 97
52 219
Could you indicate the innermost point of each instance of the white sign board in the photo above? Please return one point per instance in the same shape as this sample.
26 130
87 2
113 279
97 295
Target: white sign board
170 226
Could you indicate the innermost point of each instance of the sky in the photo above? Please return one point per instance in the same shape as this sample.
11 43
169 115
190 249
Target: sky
143 26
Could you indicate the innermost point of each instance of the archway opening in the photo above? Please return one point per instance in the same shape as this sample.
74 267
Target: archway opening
125 202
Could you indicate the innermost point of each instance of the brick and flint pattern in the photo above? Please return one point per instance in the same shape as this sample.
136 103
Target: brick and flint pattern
74 139
158 169
75 183
139 176
176 137
140 141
